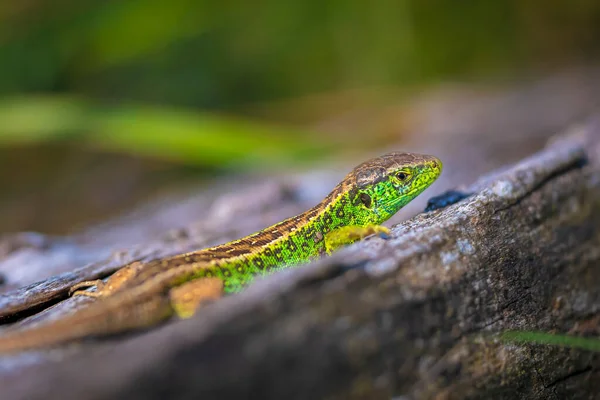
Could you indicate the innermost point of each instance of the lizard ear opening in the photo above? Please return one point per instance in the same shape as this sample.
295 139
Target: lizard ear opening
365 199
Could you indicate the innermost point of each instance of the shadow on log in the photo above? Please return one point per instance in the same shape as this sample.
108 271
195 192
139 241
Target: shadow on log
416 316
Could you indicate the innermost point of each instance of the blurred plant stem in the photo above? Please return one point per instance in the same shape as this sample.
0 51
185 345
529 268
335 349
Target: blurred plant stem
169 134
542 338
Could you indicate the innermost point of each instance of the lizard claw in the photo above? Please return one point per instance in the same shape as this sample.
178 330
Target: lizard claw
76 290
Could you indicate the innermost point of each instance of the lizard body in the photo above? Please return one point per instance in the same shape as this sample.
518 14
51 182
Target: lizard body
141 295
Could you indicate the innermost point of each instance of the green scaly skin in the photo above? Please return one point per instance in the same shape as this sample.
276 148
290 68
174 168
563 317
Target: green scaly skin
141 295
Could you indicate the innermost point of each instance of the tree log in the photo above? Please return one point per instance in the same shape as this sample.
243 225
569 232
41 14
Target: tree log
417 316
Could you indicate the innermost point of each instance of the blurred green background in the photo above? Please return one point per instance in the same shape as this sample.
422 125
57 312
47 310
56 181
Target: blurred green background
105 102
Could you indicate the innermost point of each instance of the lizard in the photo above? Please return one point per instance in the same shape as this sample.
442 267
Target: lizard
141 295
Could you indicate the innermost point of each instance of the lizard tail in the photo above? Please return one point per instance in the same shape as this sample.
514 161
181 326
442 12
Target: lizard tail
101 318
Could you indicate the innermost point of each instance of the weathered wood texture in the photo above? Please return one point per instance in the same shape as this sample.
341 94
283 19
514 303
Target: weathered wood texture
413 316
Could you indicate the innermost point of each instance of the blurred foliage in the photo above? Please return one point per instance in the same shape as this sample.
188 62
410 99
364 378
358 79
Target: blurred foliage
202 83
159 132
225 55
222 55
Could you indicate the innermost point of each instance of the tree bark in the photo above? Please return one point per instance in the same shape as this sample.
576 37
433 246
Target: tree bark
417 316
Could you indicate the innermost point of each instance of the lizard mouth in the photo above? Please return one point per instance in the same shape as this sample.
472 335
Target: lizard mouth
391 207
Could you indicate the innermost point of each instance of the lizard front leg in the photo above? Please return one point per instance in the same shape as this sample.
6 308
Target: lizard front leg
112 284
187 298
349 234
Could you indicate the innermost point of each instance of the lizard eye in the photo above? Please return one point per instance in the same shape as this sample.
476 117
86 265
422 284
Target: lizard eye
402 176
365 199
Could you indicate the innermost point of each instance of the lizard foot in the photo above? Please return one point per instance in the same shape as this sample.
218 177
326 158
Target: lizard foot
349 234
190 296
112 284
77 289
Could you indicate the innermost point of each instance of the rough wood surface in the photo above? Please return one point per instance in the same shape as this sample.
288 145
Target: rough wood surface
412 317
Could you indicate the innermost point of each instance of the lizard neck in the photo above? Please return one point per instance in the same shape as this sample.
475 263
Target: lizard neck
305 231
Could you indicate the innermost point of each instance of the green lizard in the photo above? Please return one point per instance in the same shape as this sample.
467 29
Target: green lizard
143 294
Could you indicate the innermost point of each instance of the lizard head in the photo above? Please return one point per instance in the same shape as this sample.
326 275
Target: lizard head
383 185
